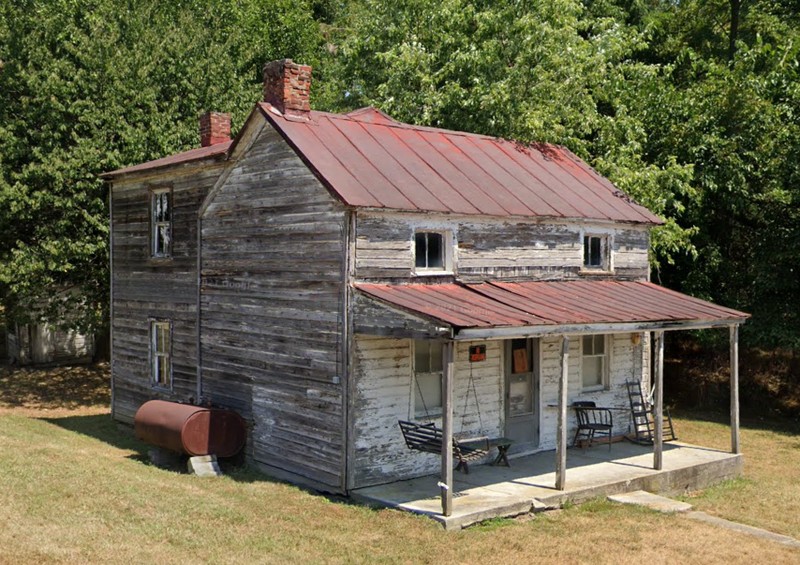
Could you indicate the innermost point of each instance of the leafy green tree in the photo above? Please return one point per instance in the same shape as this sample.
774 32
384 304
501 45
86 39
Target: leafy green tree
93 85
546 70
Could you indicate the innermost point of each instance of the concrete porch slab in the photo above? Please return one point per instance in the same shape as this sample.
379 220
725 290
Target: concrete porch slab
528 485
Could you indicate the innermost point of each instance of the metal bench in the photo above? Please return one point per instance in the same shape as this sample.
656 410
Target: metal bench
428 438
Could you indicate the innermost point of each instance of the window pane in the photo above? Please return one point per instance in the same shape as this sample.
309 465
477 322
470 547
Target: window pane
428 392
162 338
596 259
435 249
163 370
422 356
586 256
420 250
435 363
588 344
592 371
520 358
599 344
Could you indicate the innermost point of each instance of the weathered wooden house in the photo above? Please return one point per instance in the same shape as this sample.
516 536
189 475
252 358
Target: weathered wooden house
327 275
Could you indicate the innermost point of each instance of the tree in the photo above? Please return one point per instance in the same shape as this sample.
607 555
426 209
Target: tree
91 86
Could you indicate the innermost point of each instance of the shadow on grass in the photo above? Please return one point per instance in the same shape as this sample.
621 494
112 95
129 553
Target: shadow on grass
775 424
69 387
101 427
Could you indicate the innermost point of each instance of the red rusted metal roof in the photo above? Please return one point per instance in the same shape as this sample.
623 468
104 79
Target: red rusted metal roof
370 160
553 303
216 150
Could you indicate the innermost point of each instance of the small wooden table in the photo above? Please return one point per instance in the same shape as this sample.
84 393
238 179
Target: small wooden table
502 444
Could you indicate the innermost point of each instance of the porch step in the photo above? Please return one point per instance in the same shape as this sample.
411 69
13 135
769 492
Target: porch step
652 501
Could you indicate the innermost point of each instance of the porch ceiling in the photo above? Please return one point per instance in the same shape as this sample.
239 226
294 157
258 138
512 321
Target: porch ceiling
505 309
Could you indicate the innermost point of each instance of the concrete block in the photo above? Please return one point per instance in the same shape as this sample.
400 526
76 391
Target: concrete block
204 466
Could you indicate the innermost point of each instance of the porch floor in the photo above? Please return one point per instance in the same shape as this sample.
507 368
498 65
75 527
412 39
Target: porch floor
528 485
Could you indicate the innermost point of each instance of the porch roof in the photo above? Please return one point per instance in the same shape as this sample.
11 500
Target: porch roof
506 309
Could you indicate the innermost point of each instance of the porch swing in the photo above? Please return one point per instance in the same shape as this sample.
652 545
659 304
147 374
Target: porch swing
428 438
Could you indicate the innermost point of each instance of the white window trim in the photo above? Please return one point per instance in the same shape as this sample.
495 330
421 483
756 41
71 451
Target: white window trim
607 251
155 355
605 377
167 254
448 247
420 411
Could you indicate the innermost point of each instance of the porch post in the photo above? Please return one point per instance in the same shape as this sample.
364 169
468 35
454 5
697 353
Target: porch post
658 416
561 446
446 483
734 330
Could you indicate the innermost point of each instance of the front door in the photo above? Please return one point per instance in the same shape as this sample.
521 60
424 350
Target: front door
522 420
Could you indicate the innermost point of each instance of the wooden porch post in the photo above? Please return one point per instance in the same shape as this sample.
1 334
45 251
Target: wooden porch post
446 484
561 447
734 330
658 416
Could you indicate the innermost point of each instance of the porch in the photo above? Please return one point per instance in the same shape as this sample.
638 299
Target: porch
528 484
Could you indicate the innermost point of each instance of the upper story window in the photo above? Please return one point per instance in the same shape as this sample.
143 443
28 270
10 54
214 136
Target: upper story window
161 223
596 253
161 353
432 252
594 362
427 378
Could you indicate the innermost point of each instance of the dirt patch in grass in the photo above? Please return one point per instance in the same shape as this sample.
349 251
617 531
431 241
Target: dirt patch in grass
34 390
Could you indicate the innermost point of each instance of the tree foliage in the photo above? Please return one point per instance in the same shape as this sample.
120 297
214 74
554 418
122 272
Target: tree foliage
691 107
89 86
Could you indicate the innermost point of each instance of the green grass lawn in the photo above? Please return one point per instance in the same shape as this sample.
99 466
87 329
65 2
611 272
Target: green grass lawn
75 487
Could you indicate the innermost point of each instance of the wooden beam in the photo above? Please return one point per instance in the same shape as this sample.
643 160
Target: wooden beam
735 446
473 334
658 416
561 446
446 484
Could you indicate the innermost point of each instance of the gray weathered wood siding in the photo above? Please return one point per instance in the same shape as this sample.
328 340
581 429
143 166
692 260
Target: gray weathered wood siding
384 394
494 248
273 266
146 288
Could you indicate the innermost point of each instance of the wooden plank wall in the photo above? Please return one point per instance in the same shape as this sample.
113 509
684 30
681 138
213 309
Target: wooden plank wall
622 367
273 262
147 288
493 248
382 377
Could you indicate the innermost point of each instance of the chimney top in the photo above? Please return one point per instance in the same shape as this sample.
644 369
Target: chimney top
287 86
215 127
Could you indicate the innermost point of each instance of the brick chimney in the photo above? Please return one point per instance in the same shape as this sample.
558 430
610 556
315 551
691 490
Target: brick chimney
215 127
287 86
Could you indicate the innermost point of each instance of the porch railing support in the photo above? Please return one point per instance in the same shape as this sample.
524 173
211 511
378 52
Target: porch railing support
446 484
658 416
735 447
561 447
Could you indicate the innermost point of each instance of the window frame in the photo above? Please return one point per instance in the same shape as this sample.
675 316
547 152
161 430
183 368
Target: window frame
155 224
605 359
446 249
156 355
606 257
425 410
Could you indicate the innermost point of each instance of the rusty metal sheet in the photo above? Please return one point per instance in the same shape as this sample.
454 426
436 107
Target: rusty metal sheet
368 159
547 303
218 149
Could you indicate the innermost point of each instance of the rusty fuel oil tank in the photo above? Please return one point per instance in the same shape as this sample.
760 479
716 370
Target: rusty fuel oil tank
193 430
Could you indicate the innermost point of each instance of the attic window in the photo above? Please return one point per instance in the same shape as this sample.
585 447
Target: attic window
431 251
596 253
161 223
